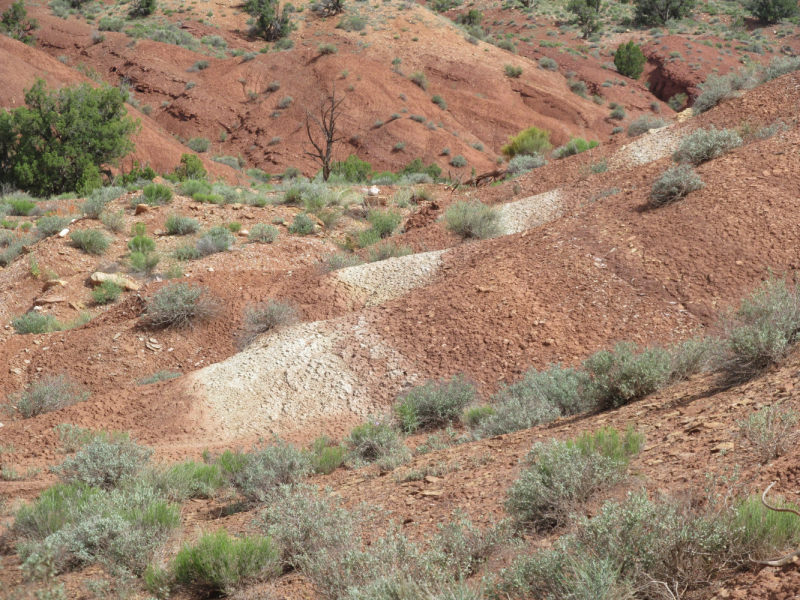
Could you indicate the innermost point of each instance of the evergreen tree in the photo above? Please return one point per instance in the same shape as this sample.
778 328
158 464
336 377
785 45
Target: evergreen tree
772 11
658 12
270 21
629 60
15 24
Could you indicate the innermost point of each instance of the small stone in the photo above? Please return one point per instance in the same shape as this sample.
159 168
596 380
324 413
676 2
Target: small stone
98 277
723 447
158 232
48 285
374 191
244 233
432 479
142 208
549 342
16 371
50 300
431 493
63 233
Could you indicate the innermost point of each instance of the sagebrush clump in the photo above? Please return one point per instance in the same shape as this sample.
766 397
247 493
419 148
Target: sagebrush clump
48 394
473 219
180 305
434 404
673 184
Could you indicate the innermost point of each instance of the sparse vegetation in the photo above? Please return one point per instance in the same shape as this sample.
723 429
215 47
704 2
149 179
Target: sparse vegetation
706 144
573 147
529 142
376 441
158 376
302 225
48 394
524 163
181 225
548 64
419 78
91 241
258 474
644 124
772 430
106 292
156 194
512 71
267 316
261 232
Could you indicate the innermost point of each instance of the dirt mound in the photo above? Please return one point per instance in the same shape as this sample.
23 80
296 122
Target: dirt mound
21 65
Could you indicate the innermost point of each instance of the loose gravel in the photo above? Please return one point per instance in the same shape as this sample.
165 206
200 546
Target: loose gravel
530 212
650 146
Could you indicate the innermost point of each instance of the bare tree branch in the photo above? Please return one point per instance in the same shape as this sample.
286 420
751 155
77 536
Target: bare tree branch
329 112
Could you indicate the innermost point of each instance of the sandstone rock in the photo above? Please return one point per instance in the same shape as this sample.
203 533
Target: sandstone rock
723 447
48 285
49 300
142 208
374 191
123 282
63 233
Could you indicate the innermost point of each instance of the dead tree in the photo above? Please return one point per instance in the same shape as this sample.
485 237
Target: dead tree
324 127
783 560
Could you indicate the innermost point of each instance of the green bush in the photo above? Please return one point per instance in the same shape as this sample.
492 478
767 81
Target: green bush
302 225
630 60
674 184
512 71
187 252
340 260
626 373
617 113
772 430
91 241
434 404
191 167
143 263
324 49
105 462
416 166
761 331
47 226
115 221
223 563
270 21
156 194
142 8
475 416
180 305
258 474
142 243
440 102
473 219
762 533
326 457
34 322
110 24
48 394
261 232
528 142
367 237
181 225
706 144
659 12
106 292
353 170
644 124
53 510
458 161
267 316
21 207
60 139
563 475
15 24
772 11
191 187
384 222
573 147
217 239
376 441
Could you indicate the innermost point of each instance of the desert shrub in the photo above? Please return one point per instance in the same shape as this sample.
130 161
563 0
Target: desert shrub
324 49
528 142
562 475
106 292
761 331
376 441
180 305
258 474
181 225
190 187
20 207
261 232
714 90
340 260
141 243
644 124
626 373
677 102
60 139
187 252
216 239
223 563
156 194
326 457
473 417
142 8
115 221
523 163
548 64
353 169
706 144
267 316
417 168
15 23
302 225
353 23
772 430
761 533
772 11
458 161
439 101
512 71
419 78
157 376
270 20
659 12
691 356
630 60
573 147
384 222
143 263
98 199
434 404
385 250
578 87
110 24
199 144
186 480
473 219
105 462
304 522
52 510
51 225
779 65
34 322
674 184
48 394
91 241
191 167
